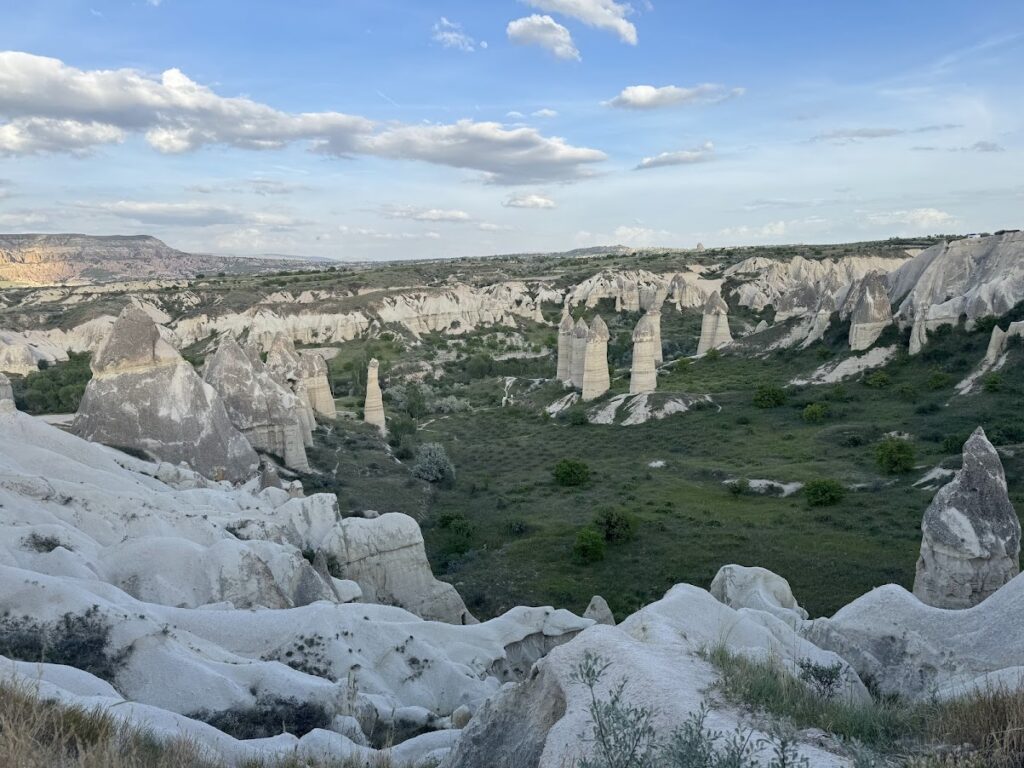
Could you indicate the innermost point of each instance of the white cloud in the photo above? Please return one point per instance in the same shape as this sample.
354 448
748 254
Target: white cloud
683 157
426 214
601 14
51 107
651 97
487 226
983 146
545 32
191 214
851 135
22 219
530 201
772 229
374 234
919 220
513 115
544 113
450 35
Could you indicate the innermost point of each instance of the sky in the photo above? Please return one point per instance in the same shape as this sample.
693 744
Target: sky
379 129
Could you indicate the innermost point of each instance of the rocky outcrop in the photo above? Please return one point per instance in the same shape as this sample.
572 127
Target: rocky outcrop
285 365
317 382
758 588
596 379
266 412
975 277
579 352
714 327
373 408
872 312
565 348
145 396
643 375
6 395
995 355
970 545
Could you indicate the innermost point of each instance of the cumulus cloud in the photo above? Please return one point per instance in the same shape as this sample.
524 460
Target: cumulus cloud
23 219
545 113
601 14
916 219
450 35
545 32
851 135
537 202
191 214
51 107
767 231
426 214
700 154
651 97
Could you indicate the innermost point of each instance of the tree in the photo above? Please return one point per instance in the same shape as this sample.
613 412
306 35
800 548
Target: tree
769 396
570 473
432 464
823 493
589 547
895 456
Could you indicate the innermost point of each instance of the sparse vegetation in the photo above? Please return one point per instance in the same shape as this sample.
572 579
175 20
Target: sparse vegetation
589 547
78 640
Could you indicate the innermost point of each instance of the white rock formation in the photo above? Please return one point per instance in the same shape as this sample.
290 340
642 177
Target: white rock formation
872 312
285 365
266 412
758 588
373 408
318 386
18 359
714 327
976 277
565 347
6 395
971 535
599 611
144 395
995 356
579 352
643 375
596 379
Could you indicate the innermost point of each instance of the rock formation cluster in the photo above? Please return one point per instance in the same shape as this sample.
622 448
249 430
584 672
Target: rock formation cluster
714 327
373 408
970 545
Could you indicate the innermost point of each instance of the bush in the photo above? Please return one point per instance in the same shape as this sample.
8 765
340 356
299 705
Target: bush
432 464
824 679
578 417
76 640
589 546
992 383
895 456
938 380
823 493
739 487
815 413
769 396
270 717
878 379
616 526
54 388
569 473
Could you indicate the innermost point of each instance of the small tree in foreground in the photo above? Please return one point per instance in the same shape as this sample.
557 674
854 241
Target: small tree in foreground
769 396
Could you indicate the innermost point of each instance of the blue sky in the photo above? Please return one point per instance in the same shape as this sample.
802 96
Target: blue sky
372 129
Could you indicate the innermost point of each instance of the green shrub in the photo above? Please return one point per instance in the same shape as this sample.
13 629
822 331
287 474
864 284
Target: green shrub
823 493
589 546
769 396
938 380
992 383
578 417
739 487
76 640
878 379
815 413
616 526
270 717
570 473
895 456
54 388
432 464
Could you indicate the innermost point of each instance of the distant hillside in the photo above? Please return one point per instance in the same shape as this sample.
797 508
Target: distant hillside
71 258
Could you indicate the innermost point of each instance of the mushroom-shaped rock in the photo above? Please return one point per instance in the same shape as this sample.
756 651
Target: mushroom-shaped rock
579 352
970 545
565 344
643 375
740 586
266 412
596 378
373 408
144 395
714 327
872 312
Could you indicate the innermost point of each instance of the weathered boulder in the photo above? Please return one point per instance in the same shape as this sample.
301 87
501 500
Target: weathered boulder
266 412
714 327
145 396
643 375
579 352
596 378
872 312
599 611
565 347
970 545
373 408
741 586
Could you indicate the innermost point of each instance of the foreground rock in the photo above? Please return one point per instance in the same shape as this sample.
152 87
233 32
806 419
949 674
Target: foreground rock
145 396
758 588
971 534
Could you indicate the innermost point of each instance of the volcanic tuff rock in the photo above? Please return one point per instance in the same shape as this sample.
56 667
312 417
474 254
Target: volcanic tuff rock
714 327
599 611
596 379
995 356
872 312
579 352
6 395
971 535
758 588
318 385
643 376
565 346
145 396
373 408
266 412
285 365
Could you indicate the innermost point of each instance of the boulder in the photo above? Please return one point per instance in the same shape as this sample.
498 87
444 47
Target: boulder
714 327
373 408
599 611
579 352
266 412
970 545
643 375
759 589
596 378
145 396
872 312
565 347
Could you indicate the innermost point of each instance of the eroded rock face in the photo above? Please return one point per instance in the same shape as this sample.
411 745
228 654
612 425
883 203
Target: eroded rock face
373 408
266 412
596 378
643 376
565 348
714 328
145 396
872 312
971 534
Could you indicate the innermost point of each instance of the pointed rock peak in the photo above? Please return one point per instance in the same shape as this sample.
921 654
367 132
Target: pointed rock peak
581 330
134 342
645 329
229 349
567 325
716 305
981 457
598 330
373 365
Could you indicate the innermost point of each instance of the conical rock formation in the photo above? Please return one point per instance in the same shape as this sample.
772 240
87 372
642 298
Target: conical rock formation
643 376
373 409
714 328
596 378
318 386
971 535
144 395
565 346
266 412
579 352
872 312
